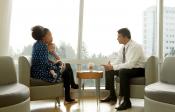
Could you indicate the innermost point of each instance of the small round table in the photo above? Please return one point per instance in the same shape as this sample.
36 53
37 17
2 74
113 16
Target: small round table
90 75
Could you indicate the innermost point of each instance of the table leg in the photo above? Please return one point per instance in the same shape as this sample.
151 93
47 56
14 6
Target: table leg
79 90
98 90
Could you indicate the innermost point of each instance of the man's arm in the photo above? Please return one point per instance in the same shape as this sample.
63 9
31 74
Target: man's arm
118 59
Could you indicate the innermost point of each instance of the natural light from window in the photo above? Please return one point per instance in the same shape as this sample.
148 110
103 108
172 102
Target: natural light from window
60 16
102 19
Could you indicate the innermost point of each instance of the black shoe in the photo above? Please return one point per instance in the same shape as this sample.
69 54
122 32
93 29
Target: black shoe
125 105
68 101
109 99
74 86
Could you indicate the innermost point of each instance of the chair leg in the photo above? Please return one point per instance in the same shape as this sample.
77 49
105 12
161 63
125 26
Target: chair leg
57 101
120 99
55 104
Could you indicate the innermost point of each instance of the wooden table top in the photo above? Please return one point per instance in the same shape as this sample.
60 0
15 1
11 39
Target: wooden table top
86 74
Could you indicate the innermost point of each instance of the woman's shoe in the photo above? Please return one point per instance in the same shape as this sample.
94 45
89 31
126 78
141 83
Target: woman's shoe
74 86
68 101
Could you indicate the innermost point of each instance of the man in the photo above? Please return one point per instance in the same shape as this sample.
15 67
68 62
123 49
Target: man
129 63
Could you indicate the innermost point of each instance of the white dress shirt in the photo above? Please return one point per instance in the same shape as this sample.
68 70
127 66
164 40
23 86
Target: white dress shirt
134 57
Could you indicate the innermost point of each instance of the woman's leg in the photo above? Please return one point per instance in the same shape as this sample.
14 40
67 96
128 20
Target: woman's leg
66 80
70 73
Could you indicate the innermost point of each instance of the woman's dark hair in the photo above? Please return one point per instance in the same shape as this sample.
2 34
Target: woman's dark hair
38 32
125 32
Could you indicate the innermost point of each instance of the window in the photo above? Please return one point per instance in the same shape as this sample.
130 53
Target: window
60 16
102 19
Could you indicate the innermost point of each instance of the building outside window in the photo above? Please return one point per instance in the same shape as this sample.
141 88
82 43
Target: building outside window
169 28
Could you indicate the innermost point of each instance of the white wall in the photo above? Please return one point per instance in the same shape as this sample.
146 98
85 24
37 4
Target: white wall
5 14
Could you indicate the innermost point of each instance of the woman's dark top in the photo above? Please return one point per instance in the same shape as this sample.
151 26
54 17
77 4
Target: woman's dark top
40 65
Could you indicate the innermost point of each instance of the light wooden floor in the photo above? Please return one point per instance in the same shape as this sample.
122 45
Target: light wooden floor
88 105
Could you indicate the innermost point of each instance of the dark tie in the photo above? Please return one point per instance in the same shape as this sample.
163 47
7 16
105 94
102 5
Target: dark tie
124 58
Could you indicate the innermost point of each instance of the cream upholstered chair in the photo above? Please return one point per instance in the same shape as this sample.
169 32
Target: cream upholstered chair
14 97
39 90
138 84
160 96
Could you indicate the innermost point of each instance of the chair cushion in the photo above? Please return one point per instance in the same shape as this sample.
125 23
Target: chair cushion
161 92
38 82
13 94
135 80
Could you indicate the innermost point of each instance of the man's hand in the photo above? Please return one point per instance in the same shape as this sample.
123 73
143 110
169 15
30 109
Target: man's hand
108 66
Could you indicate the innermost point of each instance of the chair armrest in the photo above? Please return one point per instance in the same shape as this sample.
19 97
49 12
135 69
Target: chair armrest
24 70
7 70
151 70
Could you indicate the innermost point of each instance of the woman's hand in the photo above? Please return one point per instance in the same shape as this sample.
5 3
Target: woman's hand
54 75
59 61
63 66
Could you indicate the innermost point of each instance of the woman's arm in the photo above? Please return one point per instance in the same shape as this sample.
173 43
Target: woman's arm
40 55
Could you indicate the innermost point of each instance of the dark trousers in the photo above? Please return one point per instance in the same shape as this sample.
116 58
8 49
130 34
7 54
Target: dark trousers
109 82
124 75
68 79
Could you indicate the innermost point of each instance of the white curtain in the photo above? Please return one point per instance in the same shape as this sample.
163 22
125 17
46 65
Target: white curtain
5 14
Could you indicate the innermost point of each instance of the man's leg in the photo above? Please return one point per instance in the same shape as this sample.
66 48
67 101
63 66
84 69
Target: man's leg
124 88
125 75
109 84
108 79
124 83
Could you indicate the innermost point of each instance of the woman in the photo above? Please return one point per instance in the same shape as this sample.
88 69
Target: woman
41 66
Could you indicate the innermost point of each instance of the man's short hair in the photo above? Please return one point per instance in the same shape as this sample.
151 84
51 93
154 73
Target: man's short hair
125 32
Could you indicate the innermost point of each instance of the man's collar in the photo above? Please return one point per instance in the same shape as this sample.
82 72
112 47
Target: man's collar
127 44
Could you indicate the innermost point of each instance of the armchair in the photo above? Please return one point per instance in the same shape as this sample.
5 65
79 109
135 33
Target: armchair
160 96
138 84
14 97
39 90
